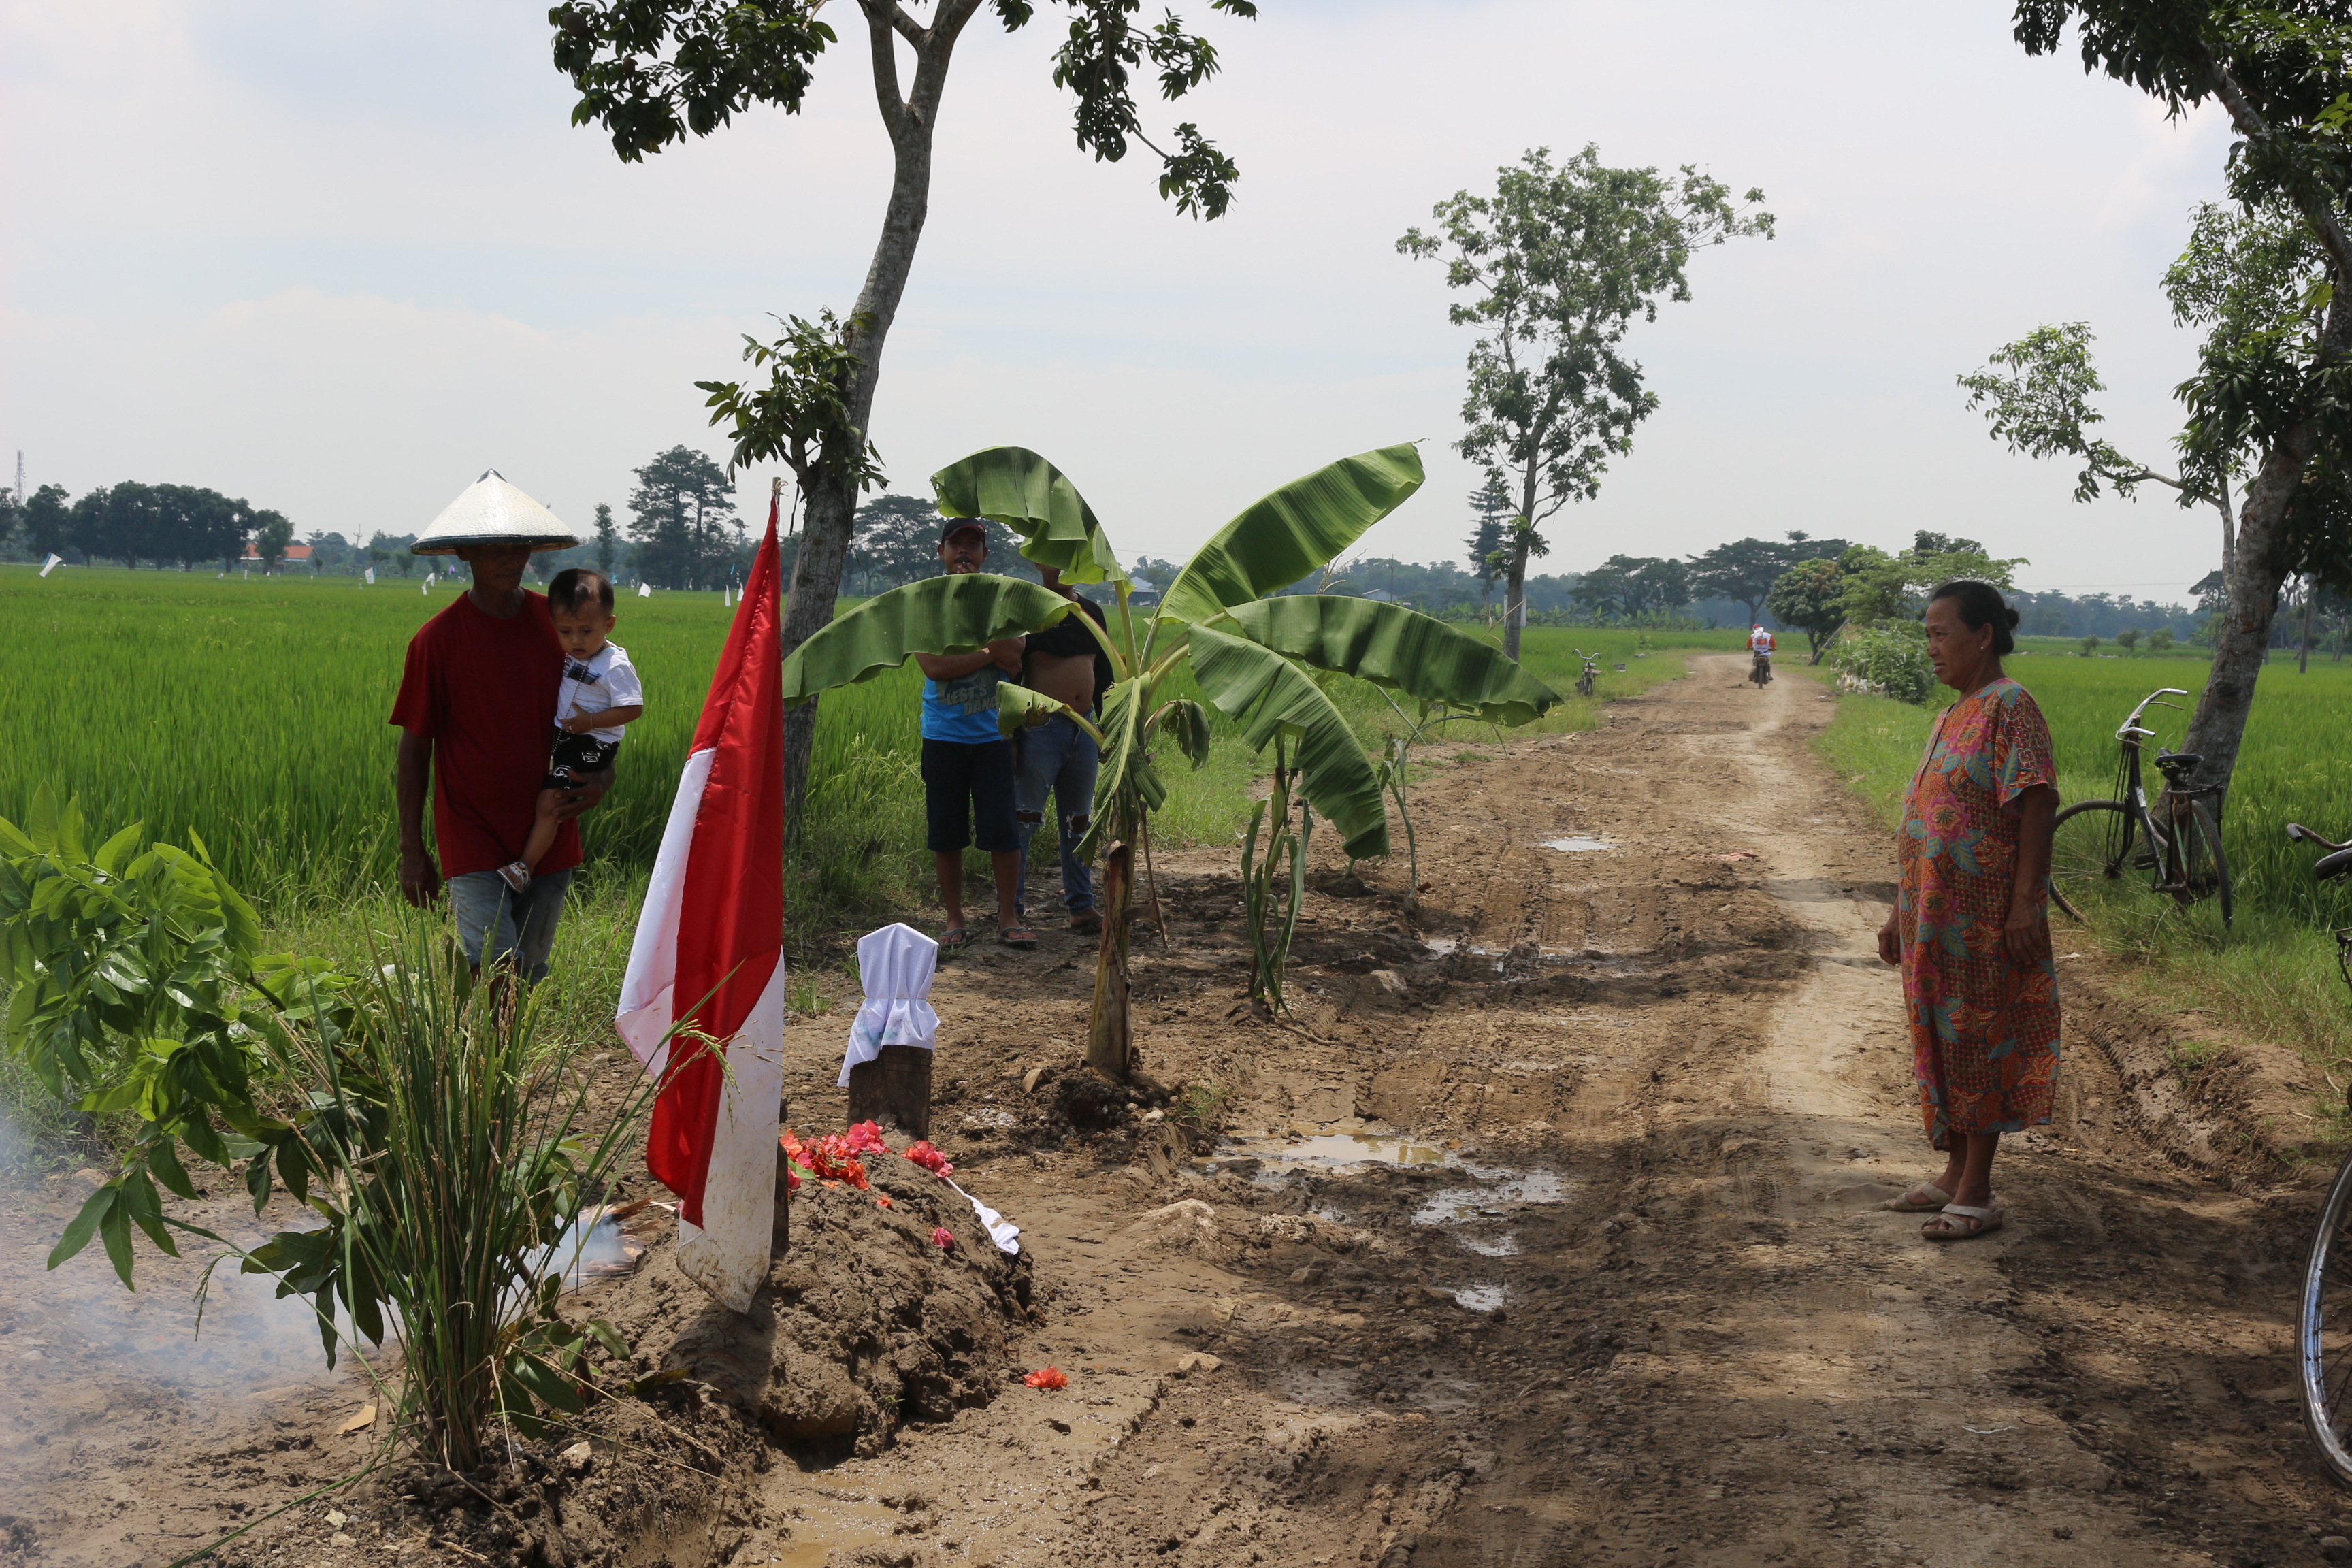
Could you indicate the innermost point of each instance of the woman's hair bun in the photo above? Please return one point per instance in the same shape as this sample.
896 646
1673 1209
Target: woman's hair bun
2012 620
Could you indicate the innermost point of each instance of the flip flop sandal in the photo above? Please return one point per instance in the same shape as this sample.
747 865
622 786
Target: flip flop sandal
1909 1202
1021 937
955 939
1979 1222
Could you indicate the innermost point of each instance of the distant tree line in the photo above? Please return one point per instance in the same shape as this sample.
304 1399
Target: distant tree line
138 525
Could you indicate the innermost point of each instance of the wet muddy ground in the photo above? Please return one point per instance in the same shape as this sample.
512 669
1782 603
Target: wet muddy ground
1541 1234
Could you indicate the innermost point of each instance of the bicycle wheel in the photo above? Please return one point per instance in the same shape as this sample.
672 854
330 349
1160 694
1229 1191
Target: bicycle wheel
2089 844
2323 1330
2204 870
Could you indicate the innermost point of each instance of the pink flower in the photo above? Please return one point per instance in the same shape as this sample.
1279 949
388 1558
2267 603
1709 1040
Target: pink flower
884 1202
944 1238
865 1138
928 1158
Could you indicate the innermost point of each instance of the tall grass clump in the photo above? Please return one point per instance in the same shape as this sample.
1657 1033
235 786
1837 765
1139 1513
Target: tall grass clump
465 1154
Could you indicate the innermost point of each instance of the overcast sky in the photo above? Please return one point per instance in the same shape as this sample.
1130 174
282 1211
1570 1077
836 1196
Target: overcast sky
340 258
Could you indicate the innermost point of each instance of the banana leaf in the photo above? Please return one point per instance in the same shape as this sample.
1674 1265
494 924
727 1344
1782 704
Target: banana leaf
1272 696
938 614
1402 649
1189 722
1126 772
1018 707
1016 487
1299 528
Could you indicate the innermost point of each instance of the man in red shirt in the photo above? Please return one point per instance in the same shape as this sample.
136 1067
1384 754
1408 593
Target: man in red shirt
476 700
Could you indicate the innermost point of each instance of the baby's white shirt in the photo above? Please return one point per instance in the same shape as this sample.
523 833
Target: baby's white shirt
605 679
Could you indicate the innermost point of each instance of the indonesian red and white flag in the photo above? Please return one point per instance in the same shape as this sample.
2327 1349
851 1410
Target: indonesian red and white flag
703 1002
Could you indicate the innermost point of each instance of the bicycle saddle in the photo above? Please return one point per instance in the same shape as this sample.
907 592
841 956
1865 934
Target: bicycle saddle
2334 864
2177 761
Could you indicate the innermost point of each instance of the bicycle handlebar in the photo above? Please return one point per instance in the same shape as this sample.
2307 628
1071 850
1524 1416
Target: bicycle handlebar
2132 725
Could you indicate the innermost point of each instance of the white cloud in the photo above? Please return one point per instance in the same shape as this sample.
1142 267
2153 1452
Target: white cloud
341 261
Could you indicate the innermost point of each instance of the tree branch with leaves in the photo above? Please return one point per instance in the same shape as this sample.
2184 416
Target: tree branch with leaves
653 73
2036 394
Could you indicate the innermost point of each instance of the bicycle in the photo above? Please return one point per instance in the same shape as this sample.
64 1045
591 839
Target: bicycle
1591 670
2175 840
1760 669
2324 1311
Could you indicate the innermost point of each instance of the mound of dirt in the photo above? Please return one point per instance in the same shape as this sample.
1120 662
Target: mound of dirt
866 1322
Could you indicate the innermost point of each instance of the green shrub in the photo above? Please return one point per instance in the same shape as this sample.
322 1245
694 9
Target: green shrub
420 1115
1892 656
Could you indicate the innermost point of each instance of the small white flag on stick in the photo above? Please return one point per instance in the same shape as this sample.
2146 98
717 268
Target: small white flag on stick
370 577
53 563
644 589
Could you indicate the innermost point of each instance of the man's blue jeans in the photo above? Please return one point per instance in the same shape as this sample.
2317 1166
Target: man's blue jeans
520 925
1059 759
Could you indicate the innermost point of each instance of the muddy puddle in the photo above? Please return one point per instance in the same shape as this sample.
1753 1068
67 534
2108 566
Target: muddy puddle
843 1523
1476 1206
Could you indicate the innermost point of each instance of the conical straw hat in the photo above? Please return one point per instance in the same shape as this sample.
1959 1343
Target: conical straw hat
492 511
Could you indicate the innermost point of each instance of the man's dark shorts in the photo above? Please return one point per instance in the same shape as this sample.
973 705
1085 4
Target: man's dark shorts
968 795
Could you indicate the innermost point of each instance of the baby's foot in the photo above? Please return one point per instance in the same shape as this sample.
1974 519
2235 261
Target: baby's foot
517 875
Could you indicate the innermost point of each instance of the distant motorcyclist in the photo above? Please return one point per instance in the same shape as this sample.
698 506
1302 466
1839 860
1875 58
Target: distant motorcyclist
1760 644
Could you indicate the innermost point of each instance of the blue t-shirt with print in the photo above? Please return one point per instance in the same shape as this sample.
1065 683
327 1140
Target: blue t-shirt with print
963 709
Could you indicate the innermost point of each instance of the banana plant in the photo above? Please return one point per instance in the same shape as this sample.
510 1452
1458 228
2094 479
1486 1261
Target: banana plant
1250 649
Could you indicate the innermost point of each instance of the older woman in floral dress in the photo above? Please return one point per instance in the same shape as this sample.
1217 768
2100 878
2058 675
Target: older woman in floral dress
1971 924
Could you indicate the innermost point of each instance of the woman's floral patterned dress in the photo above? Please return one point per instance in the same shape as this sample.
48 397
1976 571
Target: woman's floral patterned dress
1984 1034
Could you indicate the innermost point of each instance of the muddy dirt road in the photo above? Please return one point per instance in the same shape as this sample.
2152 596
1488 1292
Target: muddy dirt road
1609 1288
1543 1236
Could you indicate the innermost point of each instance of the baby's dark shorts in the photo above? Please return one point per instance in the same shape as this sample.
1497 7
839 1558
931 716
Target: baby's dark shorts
576 754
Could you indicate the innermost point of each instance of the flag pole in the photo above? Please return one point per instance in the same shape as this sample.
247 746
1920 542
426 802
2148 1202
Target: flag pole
781 1238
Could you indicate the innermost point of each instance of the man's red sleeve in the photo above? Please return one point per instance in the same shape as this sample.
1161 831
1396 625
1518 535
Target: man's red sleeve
417 709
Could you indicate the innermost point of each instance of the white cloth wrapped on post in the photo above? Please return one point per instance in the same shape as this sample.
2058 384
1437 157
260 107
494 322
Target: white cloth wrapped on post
896 965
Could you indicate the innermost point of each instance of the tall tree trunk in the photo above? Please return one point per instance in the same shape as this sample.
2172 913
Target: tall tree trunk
2303 656
2257 565
2229 536
1514 599
831 502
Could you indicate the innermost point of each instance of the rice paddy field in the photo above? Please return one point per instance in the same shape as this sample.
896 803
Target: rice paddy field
253 713
2275 967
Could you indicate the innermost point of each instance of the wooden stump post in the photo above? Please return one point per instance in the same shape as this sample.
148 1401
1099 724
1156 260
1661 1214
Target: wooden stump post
894 1086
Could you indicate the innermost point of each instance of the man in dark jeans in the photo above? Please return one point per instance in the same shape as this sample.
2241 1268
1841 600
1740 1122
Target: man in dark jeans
967 765
1057 758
